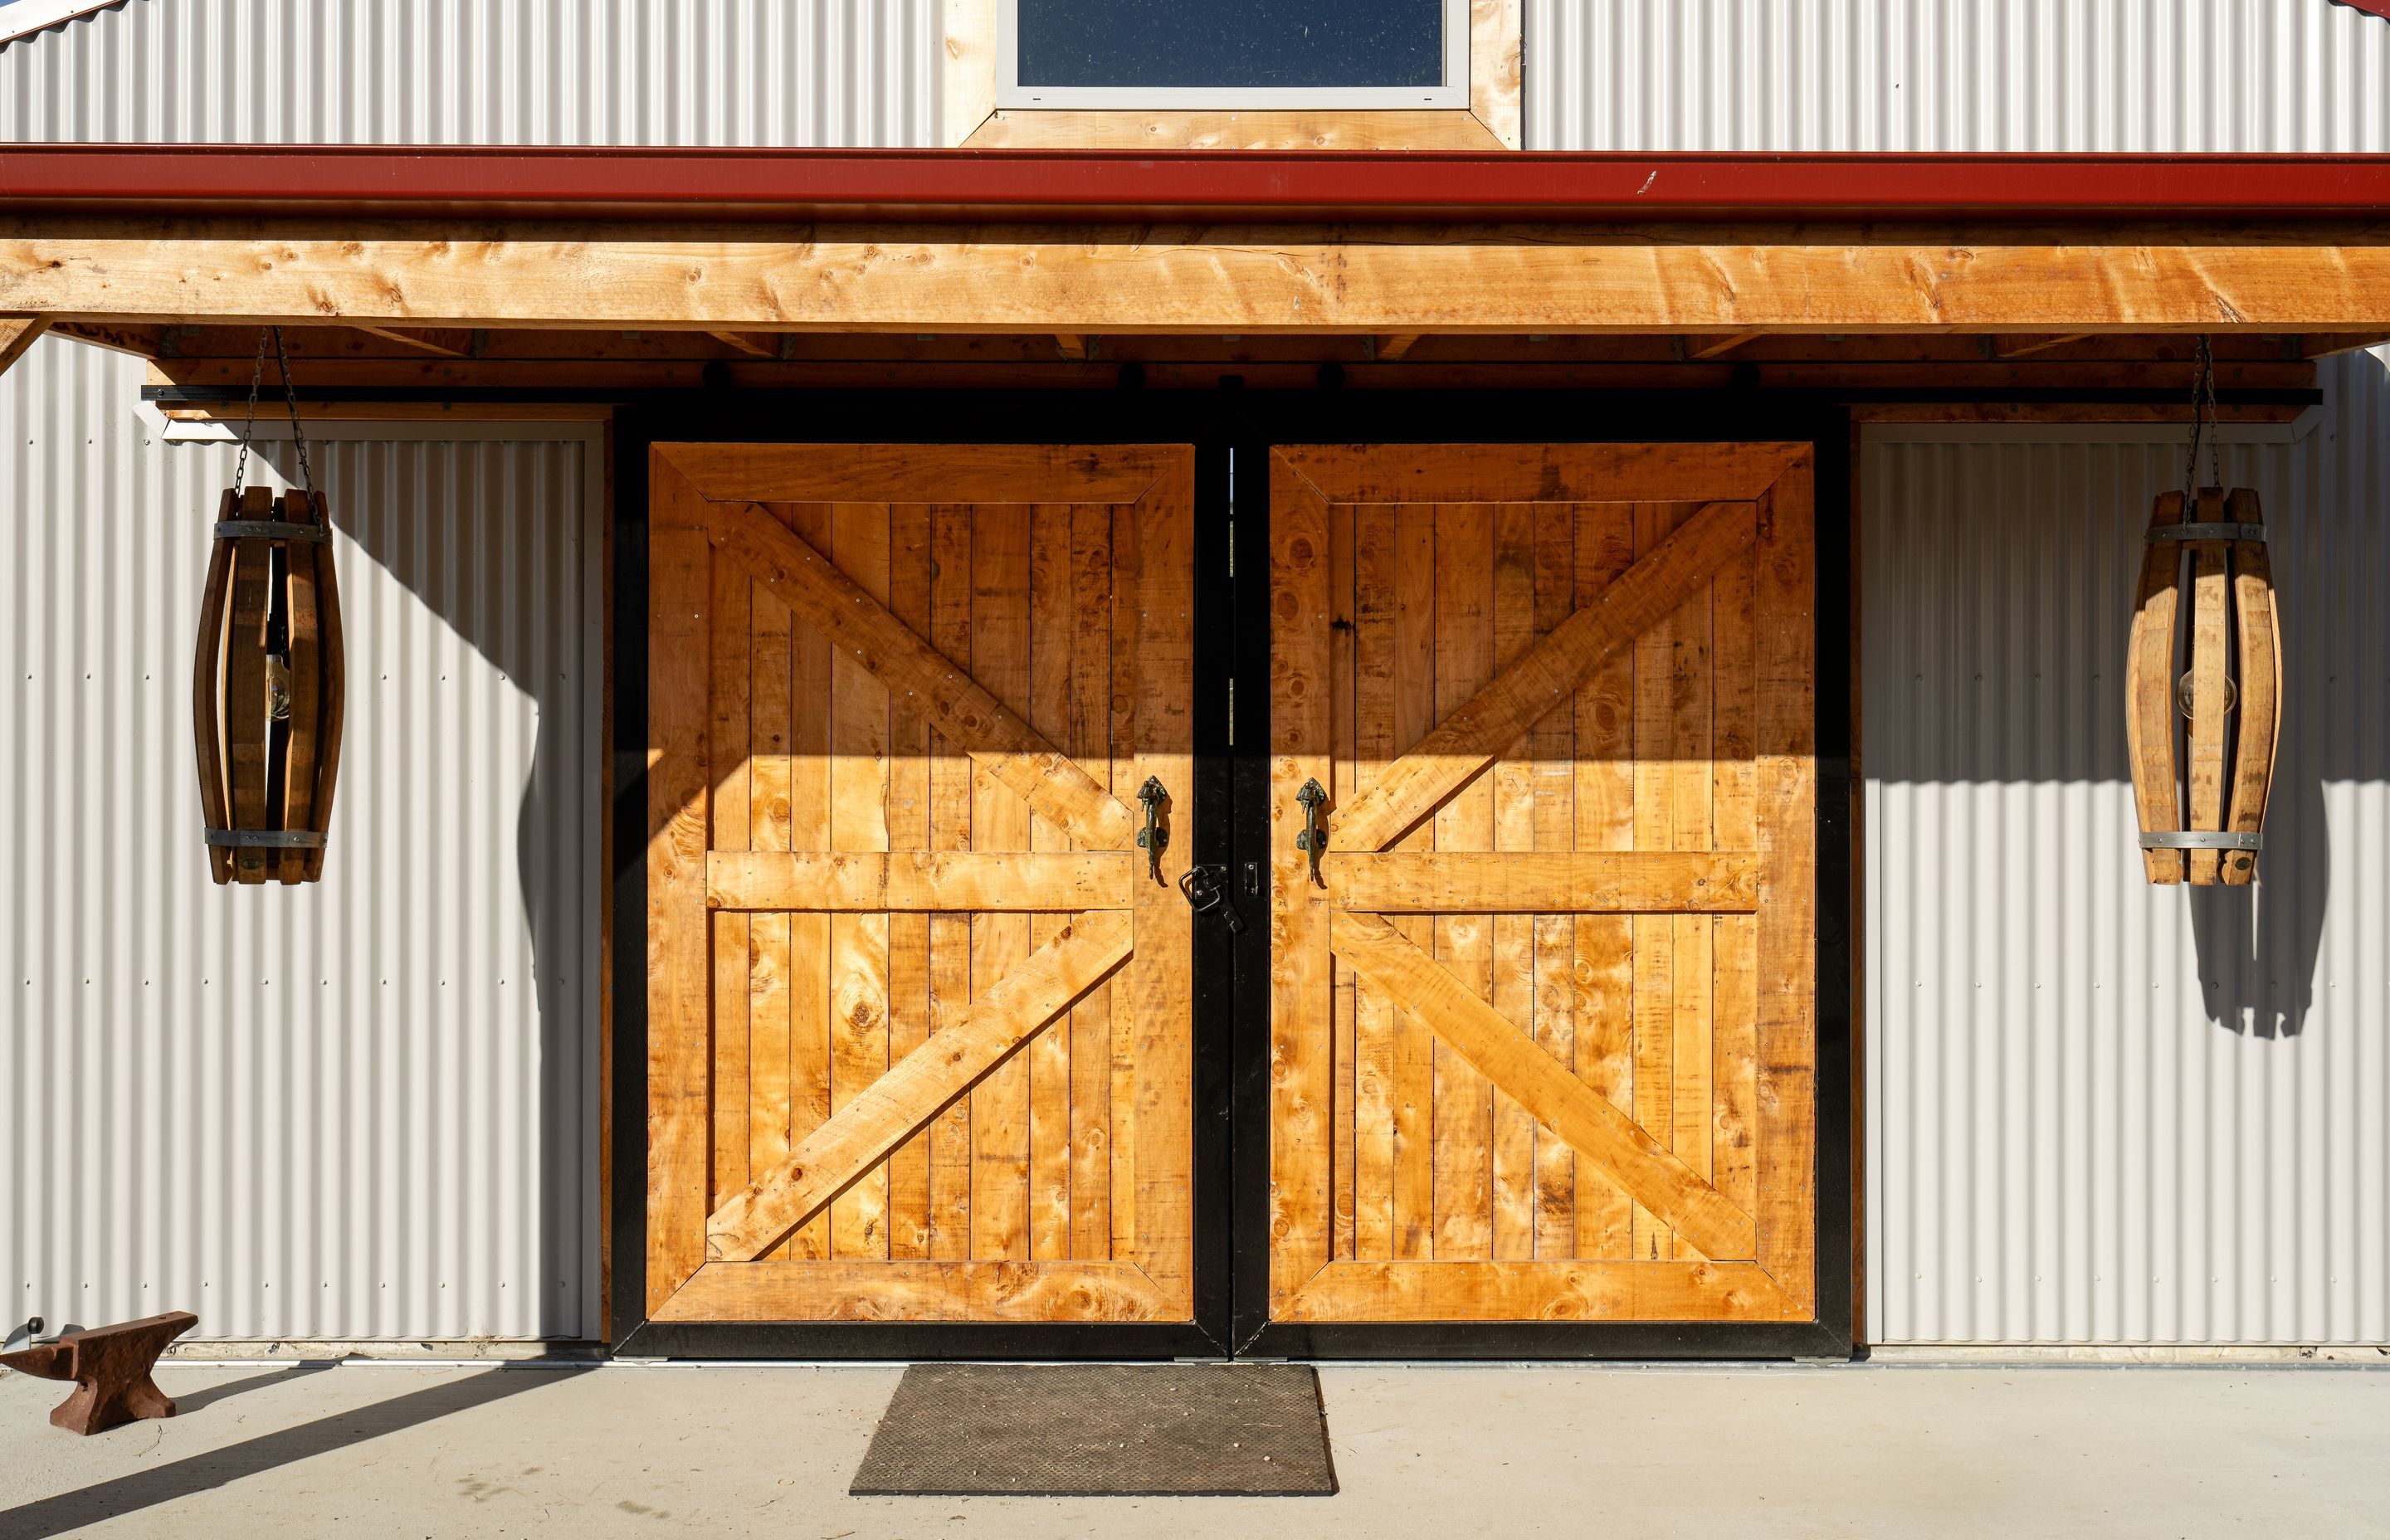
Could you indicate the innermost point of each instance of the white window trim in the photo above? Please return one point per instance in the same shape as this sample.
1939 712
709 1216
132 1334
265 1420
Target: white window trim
1011 94
26 16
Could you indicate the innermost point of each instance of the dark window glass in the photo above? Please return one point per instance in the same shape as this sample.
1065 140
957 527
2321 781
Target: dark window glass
1231 43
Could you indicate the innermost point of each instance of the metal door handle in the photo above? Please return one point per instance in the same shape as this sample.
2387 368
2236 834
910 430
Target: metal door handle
1314 837
1152 837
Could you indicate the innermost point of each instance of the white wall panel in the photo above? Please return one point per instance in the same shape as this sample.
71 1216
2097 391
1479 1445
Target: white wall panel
2100 1112
2121 75
363 1109
481 71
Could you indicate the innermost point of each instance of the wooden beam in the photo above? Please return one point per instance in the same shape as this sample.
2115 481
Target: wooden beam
454 343
947 697
19 333
1392 347
902 1102
760 347
1521 882
869 882
1495 1048
2025 347
1072 345
1208 278
1461 747
1717 347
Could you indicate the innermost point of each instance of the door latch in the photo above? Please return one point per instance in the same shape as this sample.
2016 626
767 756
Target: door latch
1152 837
1206 888
1313 839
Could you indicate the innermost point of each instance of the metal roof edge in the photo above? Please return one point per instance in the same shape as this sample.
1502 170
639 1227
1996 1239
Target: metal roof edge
1104 185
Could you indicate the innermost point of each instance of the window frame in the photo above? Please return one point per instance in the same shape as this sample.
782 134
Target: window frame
1452 93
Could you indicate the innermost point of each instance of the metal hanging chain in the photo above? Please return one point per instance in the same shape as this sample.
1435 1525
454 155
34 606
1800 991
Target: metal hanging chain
2203 399
249 423
307 473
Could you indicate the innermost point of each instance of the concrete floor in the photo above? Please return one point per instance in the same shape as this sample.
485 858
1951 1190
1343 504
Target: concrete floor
369 1450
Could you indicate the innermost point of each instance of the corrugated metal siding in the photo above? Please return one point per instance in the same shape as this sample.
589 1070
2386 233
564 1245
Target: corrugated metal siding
2122 75
482 72
362 1109
2099 1112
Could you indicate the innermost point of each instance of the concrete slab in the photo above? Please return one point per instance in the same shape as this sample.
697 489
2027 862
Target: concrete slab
1547 1450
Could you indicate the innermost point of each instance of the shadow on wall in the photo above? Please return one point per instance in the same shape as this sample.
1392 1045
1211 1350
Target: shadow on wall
474 550
2000 583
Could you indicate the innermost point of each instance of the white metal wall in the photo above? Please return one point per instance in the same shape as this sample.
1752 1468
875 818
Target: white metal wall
2100 1112
2134 75
481 71
2120 75
361 1110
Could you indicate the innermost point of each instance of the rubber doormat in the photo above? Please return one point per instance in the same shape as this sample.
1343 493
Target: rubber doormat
1100 1430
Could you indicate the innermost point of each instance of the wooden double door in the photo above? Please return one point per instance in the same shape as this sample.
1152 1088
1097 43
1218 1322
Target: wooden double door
1535 934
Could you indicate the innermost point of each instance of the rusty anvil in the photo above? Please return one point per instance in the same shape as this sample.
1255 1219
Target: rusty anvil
111 1367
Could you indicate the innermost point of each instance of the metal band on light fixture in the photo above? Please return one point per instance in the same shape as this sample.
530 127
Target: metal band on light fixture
272 529
2157 533
267 839
2202 839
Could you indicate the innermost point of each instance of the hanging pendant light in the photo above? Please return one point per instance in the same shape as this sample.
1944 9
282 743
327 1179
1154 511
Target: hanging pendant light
267 689
2204 676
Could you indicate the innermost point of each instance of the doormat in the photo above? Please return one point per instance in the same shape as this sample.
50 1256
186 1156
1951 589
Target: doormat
1100 1430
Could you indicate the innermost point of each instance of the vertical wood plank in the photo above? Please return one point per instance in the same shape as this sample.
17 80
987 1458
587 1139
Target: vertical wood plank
1372 686
1604 786
1413 643
1690 703
1785 788
1342 729
1162 966
1464 1103
1513 960
1551 755
1302 748
2211 588
1735 1071
809 948
1052 628
858 812
679 968
727 730
244 682
950 829
1124 782
1090 742
908 829
1000 822
769 767
1655 828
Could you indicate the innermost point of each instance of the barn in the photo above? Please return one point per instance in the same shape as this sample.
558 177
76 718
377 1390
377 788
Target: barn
1037 680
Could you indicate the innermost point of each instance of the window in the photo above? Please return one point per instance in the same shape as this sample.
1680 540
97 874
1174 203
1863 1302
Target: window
1241 54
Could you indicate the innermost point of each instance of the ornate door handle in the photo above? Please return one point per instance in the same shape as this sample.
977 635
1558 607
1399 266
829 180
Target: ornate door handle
1314 837
1152 837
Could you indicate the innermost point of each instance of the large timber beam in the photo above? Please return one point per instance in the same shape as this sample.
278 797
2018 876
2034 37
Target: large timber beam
19 333
1196 278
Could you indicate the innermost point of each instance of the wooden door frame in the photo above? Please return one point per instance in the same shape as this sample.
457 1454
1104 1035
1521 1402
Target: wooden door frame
1537 418
1231 973
899 416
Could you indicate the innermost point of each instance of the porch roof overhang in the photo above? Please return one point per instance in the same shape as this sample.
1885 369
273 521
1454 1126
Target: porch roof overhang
1092 242
1177 186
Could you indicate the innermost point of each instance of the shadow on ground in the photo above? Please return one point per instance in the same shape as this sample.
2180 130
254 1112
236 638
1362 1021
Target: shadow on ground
91 1505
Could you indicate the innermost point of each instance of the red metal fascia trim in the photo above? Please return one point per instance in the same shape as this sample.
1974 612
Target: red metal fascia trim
1098 186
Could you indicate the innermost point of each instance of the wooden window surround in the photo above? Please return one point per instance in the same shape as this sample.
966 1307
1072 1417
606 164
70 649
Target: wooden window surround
1490 122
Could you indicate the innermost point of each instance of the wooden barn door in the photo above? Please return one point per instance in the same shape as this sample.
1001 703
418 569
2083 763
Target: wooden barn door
917 1004
1543 1027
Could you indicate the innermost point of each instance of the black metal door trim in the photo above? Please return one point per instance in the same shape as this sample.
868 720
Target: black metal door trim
1232 1004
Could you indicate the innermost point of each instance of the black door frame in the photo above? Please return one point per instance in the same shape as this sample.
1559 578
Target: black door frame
1231 972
